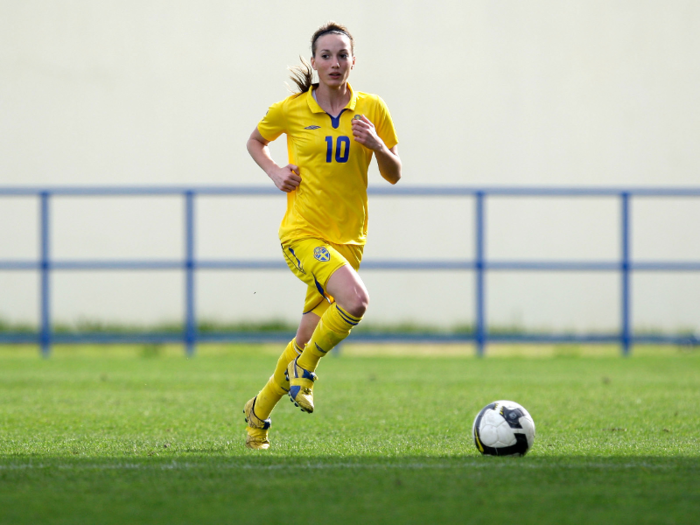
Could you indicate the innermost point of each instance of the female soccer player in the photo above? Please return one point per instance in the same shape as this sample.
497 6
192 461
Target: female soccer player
332 133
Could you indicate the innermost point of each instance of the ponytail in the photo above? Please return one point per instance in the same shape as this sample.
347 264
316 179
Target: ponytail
302 75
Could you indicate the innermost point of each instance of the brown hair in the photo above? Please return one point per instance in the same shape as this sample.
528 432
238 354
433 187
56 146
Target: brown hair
302 75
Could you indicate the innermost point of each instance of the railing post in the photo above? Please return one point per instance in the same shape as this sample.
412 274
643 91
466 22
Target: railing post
45 269
480 329
190 319
625 330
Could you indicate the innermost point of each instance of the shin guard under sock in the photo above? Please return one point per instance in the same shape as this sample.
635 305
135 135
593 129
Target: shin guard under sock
334 326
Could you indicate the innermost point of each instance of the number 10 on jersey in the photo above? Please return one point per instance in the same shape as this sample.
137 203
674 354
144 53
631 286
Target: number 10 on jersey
342 149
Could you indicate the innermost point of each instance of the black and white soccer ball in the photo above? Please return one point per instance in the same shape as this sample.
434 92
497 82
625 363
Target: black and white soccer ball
503 428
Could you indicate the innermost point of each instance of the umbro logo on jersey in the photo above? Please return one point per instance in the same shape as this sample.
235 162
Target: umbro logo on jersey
312 127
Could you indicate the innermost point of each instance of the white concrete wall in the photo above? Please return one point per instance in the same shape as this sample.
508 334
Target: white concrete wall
508 92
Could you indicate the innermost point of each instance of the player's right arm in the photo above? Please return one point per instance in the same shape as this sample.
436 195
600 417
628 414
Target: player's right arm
286 178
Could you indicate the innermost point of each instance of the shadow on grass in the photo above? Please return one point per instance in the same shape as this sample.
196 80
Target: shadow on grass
264 460
259 487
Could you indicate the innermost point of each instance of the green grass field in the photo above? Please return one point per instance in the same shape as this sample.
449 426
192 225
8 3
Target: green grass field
143 435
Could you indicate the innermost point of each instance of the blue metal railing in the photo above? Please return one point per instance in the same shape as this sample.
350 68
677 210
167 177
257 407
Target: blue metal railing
45 265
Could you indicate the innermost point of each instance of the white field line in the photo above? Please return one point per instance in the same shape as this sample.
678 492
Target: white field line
335 466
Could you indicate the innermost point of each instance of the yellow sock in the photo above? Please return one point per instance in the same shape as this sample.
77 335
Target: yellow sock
277 385
334 326
290 353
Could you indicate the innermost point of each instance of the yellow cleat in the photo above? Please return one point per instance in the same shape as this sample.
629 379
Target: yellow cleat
257 428
301 384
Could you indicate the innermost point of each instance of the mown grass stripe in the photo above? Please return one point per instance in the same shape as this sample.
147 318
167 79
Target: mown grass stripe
340 466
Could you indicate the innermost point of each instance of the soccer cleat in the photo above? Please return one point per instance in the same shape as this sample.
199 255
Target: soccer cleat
301 384
257 428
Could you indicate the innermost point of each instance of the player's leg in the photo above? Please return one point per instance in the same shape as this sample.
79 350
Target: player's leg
307 325
258 409
278 385
351 301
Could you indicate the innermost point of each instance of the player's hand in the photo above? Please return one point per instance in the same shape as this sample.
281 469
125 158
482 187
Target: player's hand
363 131
286 178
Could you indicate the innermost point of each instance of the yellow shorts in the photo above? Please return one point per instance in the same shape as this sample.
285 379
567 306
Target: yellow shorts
314 261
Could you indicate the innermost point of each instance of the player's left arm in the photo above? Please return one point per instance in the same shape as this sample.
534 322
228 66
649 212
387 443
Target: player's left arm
388 159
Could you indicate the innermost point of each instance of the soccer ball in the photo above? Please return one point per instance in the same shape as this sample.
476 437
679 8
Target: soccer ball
503 428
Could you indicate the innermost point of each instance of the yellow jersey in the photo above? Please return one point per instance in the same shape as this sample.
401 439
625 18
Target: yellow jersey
331 201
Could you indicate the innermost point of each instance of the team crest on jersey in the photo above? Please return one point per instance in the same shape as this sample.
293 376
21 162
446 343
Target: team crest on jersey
312 127
322 254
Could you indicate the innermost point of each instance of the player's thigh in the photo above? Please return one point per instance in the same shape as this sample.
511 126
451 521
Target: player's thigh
346 285
351 294
313 261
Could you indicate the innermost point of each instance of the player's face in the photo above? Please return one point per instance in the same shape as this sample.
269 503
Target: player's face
333 60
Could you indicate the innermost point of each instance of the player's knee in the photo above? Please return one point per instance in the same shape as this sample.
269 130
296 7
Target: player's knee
357 303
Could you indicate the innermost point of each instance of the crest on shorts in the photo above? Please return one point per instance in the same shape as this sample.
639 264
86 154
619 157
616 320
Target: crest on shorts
322 254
